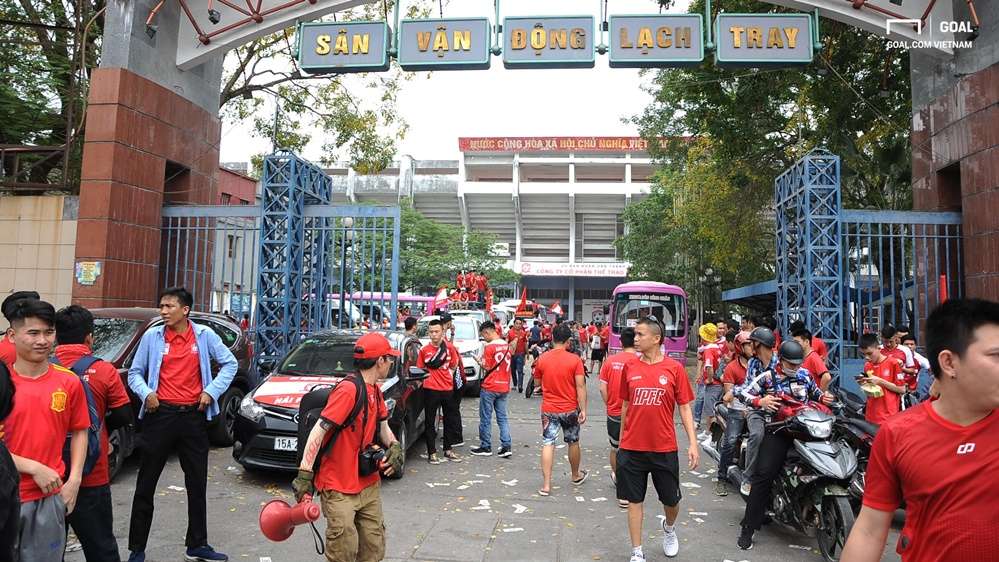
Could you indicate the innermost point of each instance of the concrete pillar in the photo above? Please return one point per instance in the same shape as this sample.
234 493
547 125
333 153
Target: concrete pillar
572 298
407 171
152 137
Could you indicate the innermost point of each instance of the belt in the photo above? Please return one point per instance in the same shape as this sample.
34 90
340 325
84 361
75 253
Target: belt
168 407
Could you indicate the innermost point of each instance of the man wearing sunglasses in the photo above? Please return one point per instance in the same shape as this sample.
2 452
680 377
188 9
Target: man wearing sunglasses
349 489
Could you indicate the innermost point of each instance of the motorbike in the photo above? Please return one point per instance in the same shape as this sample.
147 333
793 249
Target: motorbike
811 493
853 429
530 387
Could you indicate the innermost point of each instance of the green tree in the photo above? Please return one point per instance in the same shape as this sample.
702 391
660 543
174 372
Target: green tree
721 136
432 254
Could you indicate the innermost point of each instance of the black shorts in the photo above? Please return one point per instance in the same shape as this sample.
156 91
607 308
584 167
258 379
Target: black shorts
597 355
634 468
614 430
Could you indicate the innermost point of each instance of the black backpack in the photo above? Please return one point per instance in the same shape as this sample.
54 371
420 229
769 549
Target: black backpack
94 430
311 408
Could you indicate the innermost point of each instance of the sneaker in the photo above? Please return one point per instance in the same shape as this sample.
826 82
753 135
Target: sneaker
482 451
746 539
434 459
671 544
637 558
745 488
458 444
137 556
204 554
505 452
451 456
721 488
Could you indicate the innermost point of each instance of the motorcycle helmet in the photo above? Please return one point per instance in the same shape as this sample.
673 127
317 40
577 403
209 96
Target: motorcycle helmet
792 352
741 338
763 336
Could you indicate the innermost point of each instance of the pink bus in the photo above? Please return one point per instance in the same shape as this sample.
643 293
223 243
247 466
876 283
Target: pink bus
633 301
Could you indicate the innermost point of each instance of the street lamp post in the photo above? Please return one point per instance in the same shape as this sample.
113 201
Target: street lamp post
345 242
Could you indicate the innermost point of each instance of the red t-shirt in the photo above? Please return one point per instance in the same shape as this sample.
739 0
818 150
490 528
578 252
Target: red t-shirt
604 336
894 352
819 346
712 359
582 336
338 470
8 353
734 373
546 333
441 378
45 410
880 409
497 352
180 373
944 473
521 337
109 392
653 392
591 329
557 370
610 374
815 366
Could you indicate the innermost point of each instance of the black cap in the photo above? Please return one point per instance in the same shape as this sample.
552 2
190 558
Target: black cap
8 303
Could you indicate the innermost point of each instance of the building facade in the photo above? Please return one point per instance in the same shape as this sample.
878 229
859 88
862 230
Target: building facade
554 204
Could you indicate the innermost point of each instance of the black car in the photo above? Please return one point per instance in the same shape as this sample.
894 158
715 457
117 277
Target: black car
266 427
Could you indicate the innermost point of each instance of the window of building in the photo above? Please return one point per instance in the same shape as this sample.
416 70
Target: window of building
231 245
224 198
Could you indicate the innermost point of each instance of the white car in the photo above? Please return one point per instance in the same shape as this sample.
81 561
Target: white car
466 339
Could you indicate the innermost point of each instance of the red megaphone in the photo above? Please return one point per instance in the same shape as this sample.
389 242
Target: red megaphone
278 519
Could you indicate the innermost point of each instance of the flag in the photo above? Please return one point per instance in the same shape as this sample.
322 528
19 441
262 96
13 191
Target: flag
522 307
440 301
557 309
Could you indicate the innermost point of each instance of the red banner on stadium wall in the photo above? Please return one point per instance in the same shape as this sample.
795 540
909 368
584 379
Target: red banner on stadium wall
552 144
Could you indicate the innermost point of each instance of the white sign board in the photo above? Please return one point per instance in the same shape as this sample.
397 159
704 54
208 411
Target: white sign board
593 310
546 269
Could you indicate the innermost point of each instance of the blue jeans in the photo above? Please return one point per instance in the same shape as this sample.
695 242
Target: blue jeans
735 422
699 403
489 401
517 368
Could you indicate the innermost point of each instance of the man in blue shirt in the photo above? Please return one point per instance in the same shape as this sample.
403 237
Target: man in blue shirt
171 374
764 360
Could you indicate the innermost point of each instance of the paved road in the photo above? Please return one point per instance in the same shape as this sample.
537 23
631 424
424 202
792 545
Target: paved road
483 509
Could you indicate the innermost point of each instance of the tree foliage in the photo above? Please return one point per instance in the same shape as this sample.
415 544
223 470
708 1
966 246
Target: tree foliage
721 136
432 253
45 59
355 116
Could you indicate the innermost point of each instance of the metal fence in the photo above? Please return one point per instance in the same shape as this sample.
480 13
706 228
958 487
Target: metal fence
849 272
295 265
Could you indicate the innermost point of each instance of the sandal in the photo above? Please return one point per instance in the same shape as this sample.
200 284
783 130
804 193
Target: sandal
581 478
544 493
623 504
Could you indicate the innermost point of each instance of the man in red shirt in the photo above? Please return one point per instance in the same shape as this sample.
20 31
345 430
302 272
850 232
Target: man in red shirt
939 457
563 405
813 363
735 411
652 387
93 519
816 343
886 372
49 402
349 492
495 363
172 375
441 360
546 332
8 353
610 391
517 337
891 346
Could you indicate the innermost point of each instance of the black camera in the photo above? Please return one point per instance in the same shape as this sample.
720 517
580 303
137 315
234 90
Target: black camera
368 460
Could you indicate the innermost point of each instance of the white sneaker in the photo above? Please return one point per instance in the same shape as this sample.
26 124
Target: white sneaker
745 488
637 558
671 544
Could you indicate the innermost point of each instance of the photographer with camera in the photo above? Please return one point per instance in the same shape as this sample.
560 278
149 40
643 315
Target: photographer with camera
347 477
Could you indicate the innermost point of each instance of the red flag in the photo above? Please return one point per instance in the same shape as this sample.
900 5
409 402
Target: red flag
522 307
557 309
440 300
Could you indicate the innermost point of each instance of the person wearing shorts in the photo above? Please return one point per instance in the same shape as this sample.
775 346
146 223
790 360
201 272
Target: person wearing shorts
563 405
651 388
610 391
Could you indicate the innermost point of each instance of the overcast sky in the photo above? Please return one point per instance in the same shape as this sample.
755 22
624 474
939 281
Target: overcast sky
500 102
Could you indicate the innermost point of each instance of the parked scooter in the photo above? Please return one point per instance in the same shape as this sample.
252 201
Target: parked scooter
811 493
852 428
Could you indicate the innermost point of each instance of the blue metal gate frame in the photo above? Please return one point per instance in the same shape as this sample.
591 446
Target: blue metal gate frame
809 249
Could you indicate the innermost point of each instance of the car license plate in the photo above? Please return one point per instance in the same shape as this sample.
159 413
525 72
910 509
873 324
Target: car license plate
286 443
